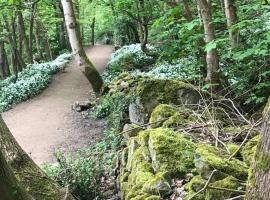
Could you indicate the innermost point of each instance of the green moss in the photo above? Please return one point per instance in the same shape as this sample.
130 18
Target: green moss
228 183
192 187
153 197
152 92
36 182
170 151
161 113
174 121
232 147
249 149
157 185
209 157
262 161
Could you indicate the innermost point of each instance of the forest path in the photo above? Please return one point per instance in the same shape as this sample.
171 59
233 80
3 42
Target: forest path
47 122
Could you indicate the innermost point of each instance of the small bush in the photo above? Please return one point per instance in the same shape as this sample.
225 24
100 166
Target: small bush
182 69
132 57
30 82
114 107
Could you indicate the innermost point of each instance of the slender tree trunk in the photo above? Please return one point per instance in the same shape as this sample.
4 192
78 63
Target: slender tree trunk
2 61
258 184
231 15
39 40
24 37
188 13
209 36
4 68
93 31
7 69
75 41
31 26
61 26
144 25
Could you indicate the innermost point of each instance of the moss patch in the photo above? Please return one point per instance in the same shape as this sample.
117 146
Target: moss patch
170 151
249 149
209 157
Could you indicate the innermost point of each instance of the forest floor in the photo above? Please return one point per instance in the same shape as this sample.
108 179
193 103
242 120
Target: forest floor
47 123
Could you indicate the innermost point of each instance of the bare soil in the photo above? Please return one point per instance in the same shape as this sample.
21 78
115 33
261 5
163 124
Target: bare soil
47 123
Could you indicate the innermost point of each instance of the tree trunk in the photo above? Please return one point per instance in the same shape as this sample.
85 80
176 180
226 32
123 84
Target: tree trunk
209 36
24 37
144 26
188 13
4 68
231 15
60 25
31 25
75 41
9 187
258 184
93 31
28 174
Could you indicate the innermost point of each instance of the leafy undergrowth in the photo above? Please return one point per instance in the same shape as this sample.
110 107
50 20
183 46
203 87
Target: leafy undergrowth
131 59
30 82
90 174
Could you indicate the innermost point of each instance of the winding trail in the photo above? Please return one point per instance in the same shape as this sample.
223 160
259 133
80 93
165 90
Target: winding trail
47 122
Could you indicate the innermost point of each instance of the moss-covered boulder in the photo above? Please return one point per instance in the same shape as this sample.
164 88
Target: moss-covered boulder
209 157
170 151
151 92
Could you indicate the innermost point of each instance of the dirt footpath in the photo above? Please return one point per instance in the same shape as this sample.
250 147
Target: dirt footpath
47 122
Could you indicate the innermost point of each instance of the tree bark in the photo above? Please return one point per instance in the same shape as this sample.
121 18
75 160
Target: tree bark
93 31
24 37
258 184
144 26
4 68
209 36
28 174
9 187
231 15
76 44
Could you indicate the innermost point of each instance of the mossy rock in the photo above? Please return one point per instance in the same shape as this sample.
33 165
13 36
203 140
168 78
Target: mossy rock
151 92
195 185
226 183
169 116
209 157
160 114
157 186
249 149
170 151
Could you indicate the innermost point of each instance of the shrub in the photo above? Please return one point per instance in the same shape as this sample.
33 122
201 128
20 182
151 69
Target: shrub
182 69
30 82
114 107
132 57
